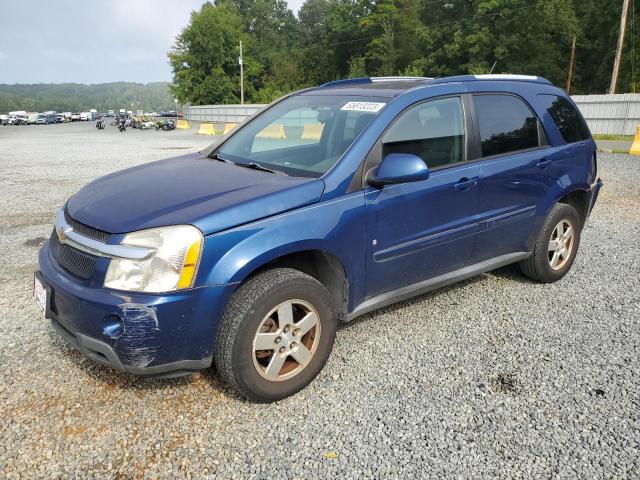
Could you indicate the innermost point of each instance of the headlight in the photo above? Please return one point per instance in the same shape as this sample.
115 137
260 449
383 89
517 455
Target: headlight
172 265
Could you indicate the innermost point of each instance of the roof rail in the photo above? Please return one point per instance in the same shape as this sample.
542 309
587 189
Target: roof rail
493 76
363 80
346 81
398 79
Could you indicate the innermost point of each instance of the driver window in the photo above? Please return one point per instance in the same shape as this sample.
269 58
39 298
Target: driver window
433 130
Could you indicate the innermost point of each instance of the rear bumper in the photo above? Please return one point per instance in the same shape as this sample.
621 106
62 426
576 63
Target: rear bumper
160 335
594 191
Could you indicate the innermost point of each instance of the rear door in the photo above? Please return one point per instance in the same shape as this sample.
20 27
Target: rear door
577 149
518 170
419 230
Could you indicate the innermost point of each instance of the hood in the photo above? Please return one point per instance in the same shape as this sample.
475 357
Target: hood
189 189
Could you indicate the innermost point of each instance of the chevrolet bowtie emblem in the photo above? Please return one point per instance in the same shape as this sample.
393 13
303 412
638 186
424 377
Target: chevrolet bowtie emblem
61 235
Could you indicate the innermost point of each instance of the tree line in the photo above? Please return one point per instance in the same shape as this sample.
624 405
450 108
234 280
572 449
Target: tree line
333 39
74 97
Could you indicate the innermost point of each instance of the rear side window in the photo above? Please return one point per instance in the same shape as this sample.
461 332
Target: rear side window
433 130
506 124
569 121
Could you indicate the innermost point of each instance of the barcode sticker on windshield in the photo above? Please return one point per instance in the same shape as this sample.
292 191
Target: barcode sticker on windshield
363 106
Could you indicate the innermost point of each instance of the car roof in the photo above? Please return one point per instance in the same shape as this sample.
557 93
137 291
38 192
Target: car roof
393 86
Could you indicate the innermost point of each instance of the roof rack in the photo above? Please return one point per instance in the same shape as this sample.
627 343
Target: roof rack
493 76
363 80
399 79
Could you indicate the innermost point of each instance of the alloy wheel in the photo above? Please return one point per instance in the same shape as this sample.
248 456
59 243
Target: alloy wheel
286 340
561 244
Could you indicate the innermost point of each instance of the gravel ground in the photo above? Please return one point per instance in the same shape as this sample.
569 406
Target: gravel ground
494 377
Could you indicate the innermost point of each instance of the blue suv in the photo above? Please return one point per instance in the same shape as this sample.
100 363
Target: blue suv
332 202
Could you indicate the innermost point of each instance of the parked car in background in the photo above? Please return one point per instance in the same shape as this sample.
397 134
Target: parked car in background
246 255
75 117
32 118
18 117
18 120
4 119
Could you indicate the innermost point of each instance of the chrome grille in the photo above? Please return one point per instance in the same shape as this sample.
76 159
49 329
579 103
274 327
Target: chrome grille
79 264
85 230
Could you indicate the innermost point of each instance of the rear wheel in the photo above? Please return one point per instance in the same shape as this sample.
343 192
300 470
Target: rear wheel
276 334
556 245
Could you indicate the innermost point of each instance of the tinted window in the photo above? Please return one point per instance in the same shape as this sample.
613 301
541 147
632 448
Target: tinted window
506 124
569 121
433 130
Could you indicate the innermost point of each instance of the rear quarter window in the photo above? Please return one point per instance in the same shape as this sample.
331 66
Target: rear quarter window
567 118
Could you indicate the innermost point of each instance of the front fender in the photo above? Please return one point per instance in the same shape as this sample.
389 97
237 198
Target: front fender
336 227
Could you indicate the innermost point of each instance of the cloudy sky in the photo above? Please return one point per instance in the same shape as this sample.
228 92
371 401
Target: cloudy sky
54 41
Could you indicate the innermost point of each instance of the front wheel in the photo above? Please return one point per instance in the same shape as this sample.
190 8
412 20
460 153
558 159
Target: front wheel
276 334
556 245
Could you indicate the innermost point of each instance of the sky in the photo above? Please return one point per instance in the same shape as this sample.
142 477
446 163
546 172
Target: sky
91 41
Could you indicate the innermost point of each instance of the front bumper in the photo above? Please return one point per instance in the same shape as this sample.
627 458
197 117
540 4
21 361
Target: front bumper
161 335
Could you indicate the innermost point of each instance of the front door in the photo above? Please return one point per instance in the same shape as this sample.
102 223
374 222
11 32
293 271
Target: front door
419 230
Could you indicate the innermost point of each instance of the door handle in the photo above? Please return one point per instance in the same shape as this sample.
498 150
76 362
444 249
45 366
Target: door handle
543 164
466 183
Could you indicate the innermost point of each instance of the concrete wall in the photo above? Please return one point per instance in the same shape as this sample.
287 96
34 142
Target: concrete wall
610 114
220 113
605 114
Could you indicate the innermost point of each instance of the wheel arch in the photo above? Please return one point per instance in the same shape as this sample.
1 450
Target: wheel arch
577 196
578 199
319 264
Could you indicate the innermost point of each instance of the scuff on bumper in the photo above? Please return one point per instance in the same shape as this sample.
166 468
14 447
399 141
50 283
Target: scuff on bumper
145 334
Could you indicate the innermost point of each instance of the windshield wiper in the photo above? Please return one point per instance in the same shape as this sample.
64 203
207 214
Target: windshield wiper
257 166
216 156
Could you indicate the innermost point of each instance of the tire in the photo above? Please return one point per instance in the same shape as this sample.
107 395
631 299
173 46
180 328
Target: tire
252 312
546 265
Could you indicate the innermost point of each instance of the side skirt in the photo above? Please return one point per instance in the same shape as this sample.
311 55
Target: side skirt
409 291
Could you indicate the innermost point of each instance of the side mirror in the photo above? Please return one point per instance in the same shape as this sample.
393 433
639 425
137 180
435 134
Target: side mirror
398 168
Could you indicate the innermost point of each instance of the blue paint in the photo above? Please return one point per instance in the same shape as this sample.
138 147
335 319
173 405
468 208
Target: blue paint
424 223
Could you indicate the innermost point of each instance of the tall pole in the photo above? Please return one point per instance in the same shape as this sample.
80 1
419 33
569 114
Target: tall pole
571 60
241 76
616 63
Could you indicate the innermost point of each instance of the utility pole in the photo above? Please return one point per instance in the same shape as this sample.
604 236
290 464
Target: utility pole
240 61
616 63
571 60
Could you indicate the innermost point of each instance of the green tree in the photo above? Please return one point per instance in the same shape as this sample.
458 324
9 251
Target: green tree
380 25
357 67
334 39
205 56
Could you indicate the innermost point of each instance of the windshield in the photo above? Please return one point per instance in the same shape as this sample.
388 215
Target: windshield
303 135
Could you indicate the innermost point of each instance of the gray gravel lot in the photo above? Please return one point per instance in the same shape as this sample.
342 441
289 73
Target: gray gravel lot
494 377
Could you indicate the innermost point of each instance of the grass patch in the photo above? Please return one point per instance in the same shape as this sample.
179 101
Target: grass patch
613 137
